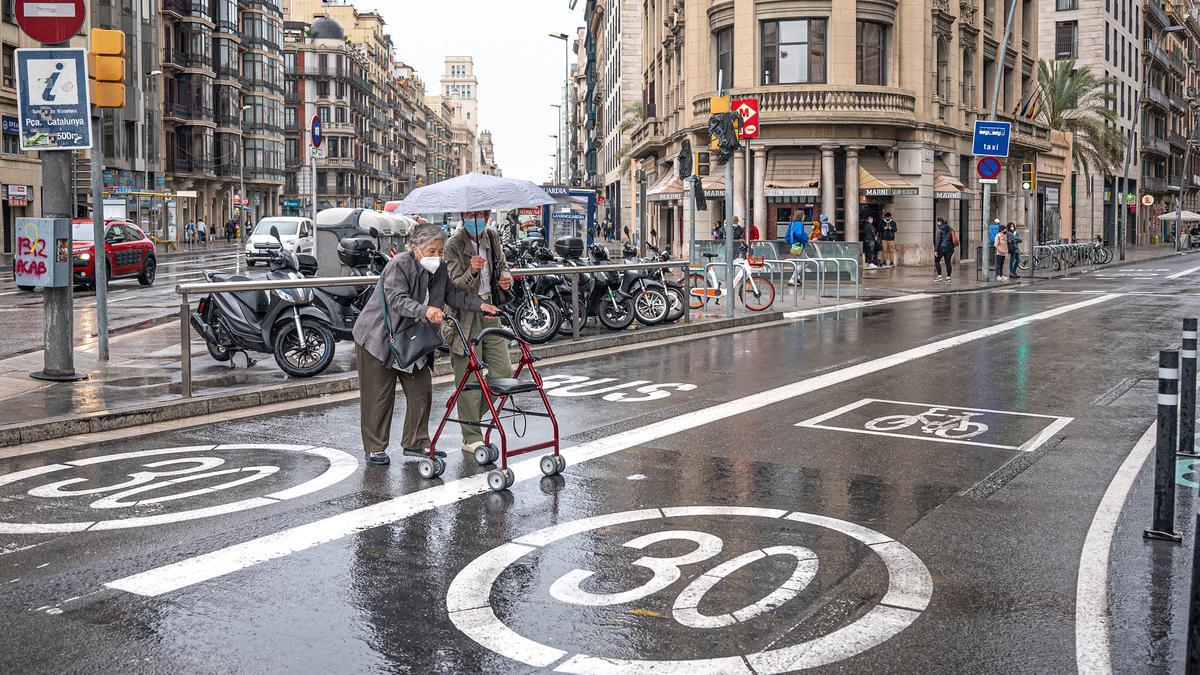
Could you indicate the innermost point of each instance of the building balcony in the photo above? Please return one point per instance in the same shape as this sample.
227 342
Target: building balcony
227 170
1154 145
181 59
1177 139
1155 96
1154 184
187 9
186 112
1156 14
264 175
820 103
1178 102
180 165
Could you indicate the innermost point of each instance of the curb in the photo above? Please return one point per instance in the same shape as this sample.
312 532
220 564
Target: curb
181 408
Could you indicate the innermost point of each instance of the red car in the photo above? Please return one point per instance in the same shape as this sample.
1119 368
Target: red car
130 252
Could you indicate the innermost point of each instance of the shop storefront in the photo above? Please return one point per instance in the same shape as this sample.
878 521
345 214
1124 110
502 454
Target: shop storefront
16 201
791 188
878 187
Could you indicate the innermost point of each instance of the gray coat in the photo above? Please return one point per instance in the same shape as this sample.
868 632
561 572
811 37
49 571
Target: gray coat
458 253
405 284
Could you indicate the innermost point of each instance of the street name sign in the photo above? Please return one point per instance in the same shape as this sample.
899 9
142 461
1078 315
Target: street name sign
52 99
50 21
991 138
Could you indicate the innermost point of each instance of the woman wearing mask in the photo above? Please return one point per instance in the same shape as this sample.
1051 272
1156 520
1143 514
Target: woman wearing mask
416 287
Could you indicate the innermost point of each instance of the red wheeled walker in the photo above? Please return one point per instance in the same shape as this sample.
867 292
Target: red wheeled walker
497 393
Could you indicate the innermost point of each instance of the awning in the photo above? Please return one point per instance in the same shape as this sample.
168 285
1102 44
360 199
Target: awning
714 185
877 179
792 174
946 186
668 189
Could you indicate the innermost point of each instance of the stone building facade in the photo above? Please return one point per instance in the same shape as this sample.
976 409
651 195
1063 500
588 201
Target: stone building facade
866 107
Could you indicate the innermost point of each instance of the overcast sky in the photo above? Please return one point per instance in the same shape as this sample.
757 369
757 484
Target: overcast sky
519 67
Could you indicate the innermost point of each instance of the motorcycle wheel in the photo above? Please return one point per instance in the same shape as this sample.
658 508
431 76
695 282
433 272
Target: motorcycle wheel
616 318
218 352
677 301
564 324
309 359
537 324
651 306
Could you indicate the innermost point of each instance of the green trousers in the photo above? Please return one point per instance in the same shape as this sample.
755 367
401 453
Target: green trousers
492 350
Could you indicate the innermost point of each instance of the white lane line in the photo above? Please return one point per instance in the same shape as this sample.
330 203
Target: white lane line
1092 645
1183 273
800 314
224 561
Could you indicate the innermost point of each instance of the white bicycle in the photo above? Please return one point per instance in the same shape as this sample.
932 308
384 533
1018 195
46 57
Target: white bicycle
757 294
937 421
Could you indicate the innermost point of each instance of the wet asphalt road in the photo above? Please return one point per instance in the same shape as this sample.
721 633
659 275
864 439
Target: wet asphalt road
901 488
130 304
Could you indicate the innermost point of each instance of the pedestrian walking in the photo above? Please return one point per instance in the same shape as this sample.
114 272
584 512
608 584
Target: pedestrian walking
212 232
1001 245
869 236
1014 250
797 240
888 234
230 229
201 231
944 242
477 266
189 232
414 286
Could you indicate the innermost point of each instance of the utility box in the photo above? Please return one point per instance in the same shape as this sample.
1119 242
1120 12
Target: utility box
43 255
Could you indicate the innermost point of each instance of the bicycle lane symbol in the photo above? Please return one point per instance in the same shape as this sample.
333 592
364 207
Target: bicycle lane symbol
941 423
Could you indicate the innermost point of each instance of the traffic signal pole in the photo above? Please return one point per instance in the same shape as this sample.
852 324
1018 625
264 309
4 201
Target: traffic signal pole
987 187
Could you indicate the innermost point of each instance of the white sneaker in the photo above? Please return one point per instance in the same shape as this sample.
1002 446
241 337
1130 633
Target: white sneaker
938 278
470 447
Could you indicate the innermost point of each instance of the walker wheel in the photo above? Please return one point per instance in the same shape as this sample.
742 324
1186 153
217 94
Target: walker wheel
497 480
561 462
431 468
483 455
493 453
509 478
549 465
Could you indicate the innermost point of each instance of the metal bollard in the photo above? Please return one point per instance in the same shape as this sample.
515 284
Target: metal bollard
1187 391
1164 449
1192 663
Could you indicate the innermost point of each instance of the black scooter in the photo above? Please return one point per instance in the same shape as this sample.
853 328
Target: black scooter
531 311
281 322
343 304
649 296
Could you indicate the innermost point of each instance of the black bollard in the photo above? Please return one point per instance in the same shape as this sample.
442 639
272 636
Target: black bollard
1164 448
1192 666
1187 391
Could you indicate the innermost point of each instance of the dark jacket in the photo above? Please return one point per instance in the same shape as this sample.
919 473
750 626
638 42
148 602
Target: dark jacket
869 234
457 256
888 230
943 242
405 284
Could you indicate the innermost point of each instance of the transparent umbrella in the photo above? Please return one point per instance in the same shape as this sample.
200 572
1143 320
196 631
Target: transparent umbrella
474 192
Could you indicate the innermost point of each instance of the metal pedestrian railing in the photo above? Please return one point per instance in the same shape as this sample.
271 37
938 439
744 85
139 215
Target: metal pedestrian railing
185 291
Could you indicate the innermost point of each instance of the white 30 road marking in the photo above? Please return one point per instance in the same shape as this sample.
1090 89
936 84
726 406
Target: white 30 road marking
1092 644
909 589
240 556
341 465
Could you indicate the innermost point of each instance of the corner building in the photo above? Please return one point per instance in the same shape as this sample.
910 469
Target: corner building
866 106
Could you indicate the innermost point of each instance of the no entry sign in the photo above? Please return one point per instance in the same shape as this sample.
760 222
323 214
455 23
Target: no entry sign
988 168
50 21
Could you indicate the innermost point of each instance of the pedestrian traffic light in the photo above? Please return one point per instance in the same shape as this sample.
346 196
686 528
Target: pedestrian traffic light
702 160
1028 176
106 68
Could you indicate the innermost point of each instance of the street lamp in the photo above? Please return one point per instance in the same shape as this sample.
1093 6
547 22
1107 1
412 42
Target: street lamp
557 147
1133 131
564 113
242 171
146 128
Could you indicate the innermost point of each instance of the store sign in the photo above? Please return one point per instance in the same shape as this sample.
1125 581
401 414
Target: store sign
291 203
792 192
530 211
664 197
1051 196
949 195
11 126
890 192
18 195
567 216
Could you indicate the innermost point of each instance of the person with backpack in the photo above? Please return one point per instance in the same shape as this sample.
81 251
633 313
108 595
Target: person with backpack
944 242
1014 250
797 241
869 236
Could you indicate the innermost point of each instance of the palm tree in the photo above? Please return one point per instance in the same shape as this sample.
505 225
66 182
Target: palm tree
1076 101
631 116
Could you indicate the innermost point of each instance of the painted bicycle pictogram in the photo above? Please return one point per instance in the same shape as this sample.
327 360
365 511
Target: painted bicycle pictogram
940 422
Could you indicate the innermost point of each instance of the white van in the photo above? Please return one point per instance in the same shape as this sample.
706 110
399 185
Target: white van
296 234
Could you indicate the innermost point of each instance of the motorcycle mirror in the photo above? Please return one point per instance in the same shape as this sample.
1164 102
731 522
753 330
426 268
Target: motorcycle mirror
626 228
275 234
374 232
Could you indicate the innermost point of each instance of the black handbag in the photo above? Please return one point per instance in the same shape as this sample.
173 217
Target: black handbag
411 344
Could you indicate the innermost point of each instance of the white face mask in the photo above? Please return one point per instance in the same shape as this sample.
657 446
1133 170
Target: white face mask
431 263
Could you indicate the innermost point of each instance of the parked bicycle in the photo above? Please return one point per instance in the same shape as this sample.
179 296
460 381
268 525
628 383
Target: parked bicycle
756 293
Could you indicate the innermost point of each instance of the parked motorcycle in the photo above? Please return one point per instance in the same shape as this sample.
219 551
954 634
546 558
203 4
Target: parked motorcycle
281 322
676 294
531 311
343 304
650 303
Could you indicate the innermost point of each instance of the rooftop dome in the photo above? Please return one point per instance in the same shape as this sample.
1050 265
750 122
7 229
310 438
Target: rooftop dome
324 27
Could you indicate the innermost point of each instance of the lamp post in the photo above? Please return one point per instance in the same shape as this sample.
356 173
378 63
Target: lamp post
146 128
562 139
564 113
242 172
557 177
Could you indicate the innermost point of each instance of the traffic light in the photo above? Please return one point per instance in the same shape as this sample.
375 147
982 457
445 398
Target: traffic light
106 68
1028 176
702 160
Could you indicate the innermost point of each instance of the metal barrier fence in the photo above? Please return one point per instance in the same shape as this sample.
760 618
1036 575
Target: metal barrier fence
185 290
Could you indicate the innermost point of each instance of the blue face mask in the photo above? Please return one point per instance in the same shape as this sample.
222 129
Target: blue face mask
474 226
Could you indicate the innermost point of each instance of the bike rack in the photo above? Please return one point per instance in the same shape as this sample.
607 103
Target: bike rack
752 272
